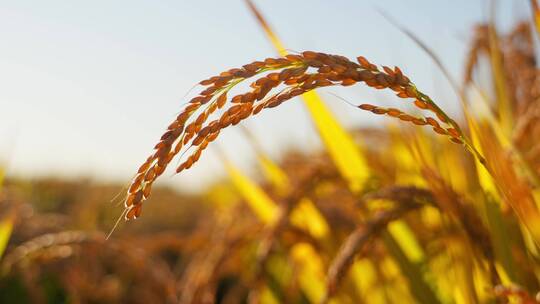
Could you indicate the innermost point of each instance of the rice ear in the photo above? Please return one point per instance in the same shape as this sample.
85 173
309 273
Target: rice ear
193 126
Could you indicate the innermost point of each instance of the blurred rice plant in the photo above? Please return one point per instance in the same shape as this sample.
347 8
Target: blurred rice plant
6 219
389 214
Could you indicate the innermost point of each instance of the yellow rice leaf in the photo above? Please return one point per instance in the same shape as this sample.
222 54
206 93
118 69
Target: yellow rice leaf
492 208
390 268
529 242
440 265
536 196
407 170
340 145
310 271
267 297
536 11
222 195
422 149
395 284
273 173
431 217
482 284
307 217
447 161
406 240
505 279
459 297
6 226
267 30
485 179
504 107
258 201
365 277
402 234
279 268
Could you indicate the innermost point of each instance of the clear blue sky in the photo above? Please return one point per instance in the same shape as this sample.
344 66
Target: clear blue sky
87 87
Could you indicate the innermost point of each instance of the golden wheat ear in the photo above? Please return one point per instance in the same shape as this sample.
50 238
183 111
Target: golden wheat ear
274 81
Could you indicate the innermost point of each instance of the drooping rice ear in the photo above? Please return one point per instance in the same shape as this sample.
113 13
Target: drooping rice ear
298 74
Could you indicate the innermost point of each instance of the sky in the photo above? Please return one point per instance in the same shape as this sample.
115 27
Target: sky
88 87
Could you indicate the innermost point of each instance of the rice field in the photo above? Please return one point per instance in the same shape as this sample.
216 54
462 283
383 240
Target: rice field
426 207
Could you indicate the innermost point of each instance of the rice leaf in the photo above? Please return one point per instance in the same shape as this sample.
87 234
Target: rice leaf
259 202
6 226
